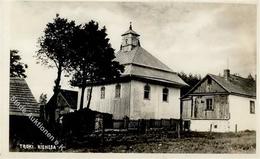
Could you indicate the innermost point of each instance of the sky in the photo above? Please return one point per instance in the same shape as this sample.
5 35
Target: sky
196 38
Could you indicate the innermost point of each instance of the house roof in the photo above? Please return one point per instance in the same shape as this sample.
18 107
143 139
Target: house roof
70 96
234 85
237 85
21 93
140 62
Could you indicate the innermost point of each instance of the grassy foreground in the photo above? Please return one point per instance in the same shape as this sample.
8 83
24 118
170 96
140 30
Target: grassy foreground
192 142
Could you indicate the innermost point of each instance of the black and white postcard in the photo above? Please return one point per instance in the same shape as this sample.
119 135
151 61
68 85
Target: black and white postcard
127 78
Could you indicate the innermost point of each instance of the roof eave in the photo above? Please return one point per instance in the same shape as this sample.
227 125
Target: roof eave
243 95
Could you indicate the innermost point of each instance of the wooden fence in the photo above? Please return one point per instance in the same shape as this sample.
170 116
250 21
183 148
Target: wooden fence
86 122
144 125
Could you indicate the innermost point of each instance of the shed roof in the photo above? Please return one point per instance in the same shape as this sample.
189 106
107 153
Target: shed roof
21 93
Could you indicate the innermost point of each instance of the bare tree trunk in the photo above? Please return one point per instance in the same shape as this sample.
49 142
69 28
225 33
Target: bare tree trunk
82 97
52 108
90 96
57 81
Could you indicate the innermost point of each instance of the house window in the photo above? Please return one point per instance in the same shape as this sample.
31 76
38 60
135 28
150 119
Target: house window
118 91
209 81
209 104
196 102
191 110
165 93
88 93
252 107
102 95
147 89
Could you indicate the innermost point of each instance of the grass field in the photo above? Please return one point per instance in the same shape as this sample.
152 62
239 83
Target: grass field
192 142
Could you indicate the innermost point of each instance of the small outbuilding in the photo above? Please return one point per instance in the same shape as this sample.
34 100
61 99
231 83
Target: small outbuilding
66 102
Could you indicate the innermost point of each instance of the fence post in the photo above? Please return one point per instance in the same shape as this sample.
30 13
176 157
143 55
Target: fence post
178 130
103 134
126 122
210 128
138 126
99 126
146 125
236 128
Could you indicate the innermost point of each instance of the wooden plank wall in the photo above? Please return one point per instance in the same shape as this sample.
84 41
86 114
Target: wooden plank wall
220 107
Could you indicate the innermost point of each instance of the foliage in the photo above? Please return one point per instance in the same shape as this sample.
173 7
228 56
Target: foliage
190 79
43 99
250 77
17 68
93 56
55 46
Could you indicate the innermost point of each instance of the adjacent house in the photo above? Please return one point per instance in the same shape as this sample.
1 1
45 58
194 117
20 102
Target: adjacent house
147 89
221 104
66 102
23 111
21 95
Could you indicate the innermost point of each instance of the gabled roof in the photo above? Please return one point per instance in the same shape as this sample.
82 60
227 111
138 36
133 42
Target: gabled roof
237 85
141 63
71 97
234 85
21 93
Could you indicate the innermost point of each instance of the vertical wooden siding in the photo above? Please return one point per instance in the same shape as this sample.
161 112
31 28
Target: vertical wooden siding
220 107
204 87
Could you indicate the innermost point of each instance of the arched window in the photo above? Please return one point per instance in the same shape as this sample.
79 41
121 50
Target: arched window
102 91
165 92
117 91
147 89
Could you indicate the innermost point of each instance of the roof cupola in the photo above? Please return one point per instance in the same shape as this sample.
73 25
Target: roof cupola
130 39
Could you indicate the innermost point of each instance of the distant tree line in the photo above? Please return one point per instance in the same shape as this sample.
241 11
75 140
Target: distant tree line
190 79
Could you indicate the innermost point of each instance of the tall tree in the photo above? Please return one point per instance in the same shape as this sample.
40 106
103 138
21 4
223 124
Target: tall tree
93 58
17 68
55 46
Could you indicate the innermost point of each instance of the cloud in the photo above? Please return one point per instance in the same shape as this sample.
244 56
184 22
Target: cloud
189 37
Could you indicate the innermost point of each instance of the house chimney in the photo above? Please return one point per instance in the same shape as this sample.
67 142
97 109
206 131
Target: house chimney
226 74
